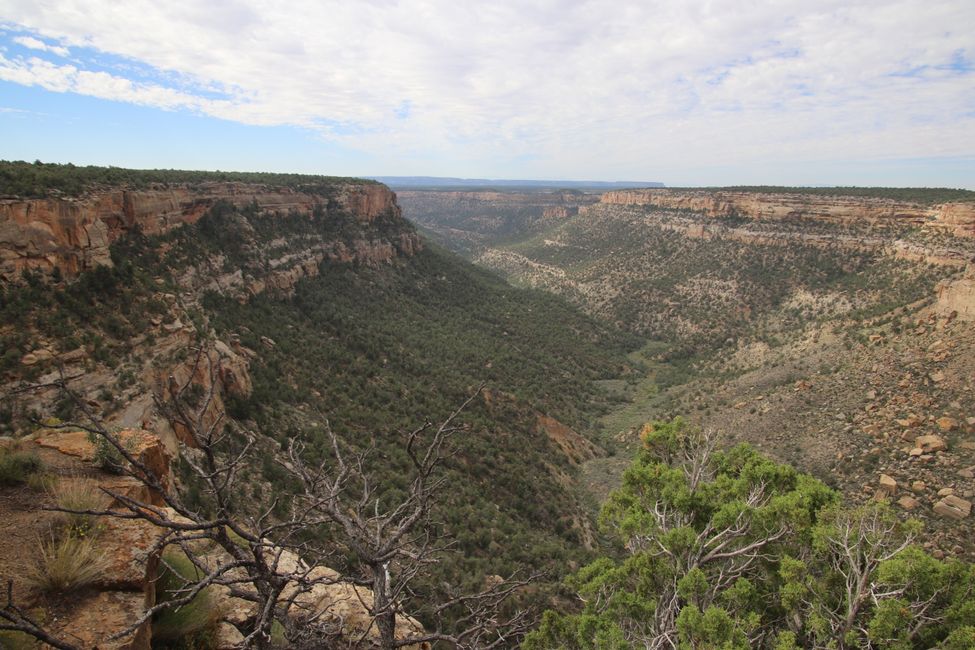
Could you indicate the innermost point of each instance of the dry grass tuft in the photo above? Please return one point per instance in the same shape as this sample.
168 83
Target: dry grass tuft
79 495
67 564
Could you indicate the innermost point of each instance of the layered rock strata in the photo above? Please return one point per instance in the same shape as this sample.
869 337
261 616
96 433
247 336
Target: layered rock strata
74 234
957 218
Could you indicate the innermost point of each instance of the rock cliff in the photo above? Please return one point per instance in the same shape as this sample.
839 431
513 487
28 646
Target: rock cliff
74 234
957 218
957 296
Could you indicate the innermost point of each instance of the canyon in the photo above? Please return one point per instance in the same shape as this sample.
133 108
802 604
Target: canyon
830 332
323 308
766 313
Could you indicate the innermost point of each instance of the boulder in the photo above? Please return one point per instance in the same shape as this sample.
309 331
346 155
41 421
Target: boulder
887 486
131 488
236 611
228 637
347 605
143 445
71 356
36 356
129 547
908 503
930 444
953 507
947 424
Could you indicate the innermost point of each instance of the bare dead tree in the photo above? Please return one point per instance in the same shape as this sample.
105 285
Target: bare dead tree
260 559
393 544
251 566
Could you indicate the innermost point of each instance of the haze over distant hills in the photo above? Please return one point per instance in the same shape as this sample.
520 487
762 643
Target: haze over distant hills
416 182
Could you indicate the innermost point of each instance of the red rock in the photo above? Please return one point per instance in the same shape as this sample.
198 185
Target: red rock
96 617
128 545
75 234
143 445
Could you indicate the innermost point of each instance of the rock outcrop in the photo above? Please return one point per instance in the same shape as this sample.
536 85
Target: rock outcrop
958 296
957 218
130 552
74 234
143 445
483 218
560 211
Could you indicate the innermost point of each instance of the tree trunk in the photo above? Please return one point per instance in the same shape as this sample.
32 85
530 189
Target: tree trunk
383 606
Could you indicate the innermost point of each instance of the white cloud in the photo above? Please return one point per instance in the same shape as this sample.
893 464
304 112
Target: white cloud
640 87
37 44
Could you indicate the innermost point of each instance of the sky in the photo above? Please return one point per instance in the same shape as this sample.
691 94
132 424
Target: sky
683 92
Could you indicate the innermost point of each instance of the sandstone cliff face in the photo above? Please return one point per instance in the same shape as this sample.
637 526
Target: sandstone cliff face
560 212
73 235
955 218
958 296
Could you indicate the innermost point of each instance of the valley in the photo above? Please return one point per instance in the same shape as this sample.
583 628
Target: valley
327 312
832 332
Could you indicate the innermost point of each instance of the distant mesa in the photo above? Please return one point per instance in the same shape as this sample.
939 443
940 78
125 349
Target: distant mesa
438 182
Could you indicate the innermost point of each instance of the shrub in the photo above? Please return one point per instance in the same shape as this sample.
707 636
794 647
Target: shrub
79 495
107 457
193 625
17 466
67 564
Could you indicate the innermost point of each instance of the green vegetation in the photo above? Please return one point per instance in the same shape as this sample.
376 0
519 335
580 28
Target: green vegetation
192 626
704 548
107 456
465 222
730 550
698 295
18 466
922 195
37 179
375 348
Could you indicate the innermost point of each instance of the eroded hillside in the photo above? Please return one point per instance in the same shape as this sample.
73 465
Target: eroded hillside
833 332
